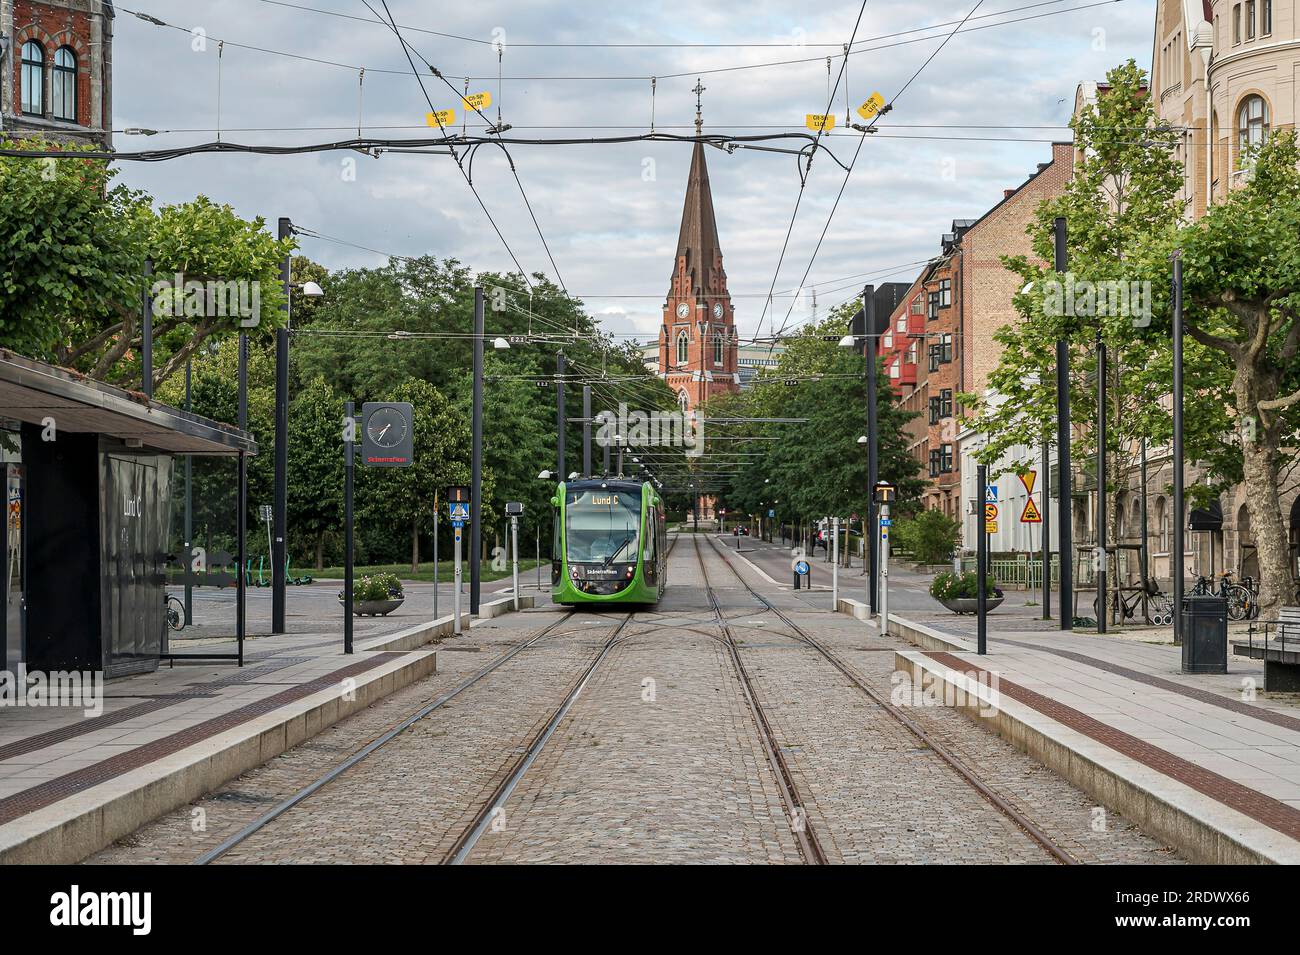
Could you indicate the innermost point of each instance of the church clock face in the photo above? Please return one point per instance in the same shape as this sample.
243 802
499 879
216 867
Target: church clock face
717 309
683 310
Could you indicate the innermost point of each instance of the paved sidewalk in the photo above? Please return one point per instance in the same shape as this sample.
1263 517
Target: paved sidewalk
1209 762
73 779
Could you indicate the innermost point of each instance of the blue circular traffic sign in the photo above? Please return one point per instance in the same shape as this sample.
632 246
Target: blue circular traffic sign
801 567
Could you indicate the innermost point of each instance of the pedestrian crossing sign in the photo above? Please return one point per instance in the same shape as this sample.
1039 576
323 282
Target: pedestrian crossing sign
1031 514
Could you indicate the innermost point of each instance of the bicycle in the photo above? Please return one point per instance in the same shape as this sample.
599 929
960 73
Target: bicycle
1241 600
175 613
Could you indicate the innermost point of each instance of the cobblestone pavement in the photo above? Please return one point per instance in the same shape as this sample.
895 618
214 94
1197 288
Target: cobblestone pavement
659 760
877 793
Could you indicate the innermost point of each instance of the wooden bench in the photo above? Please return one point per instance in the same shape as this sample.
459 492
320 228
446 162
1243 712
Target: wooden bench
1280 651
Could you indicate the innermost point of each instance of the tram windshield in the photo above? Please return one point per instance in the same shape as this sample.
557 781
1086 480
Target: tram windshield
602 526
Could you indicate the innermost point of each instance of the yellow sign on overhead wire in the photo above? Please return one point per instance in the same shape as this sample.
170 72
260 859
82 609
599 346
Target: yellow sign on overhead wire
820 121
443 117
476 101
872 106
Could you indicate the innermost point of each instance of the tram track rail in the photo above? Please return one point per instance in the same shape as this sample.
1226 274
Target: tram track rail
469 838
945 753
809 846
306 792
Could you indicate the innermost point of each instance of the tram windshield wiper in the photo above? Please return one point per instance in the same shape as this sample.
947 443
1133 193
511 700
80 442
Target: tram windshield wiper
631 536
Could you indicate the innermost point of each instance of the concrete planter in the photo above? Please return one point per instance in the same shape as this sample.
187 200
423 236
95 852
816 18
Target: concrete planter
971 604
375 608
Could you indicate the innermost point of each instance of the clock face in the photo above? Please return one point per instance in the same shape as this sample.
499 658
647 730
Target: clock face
717 309
683 310
386 427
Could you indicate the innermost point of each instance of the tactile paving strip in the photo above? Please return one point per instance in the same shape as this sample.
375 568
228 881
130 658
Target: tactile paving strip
1271 812
70 784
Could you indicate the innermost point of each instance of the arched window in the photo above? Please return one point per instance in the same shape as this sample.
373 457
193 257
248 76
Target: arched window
718 340
63 85
684 400
33 79
1252 124
683 342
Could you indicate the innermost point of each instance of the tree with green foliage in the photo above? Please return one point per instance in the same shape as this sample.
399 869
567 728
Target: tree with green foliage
1242 305
930 536
315 466
72 281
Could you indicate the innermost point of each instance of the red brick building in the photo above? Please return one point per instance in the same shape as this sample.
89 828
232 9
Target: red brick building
940 342
57 80
698 339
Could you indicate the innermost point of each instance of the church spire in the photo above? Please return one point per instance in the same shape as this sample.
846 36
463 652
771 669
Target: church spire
698 237
699 115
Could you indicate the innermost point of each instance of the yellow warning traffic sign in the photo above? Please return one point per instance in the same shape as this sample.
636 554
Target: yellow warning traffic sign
1029 479
872 106
822 121
443 117
476 101
1030 515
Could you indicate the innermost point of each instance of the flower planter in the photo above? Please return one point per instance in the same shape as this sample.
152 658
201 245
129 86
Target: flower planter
375 608
971 604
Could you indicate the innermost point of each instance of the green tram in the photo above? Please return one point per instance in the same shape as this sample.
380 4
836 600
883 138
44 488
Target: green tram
611 543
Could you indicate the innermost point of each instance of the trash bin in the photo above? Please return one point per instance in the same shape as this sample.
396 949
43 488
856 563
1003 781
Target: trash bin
1205 634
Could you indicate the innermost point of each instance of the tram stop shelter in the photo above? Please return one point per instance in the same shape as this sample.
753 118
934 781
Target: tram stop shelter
88 474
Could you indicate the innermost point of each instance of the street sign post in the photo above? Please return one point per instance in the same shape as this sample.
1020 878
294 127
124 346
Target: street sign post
514 509
458 508
802 570
884 496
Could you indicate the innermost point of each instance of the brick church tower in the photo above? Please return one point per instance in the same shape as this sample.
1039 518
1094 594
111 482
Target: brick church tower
698 339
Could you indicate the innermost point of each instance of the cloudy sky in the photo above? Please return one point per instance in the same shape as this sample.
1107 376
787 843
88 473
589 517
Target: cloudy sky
978 119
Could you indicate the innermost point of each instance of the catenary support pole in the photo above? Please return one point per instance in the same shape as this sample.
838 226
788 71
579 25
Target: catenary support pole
873 443
476 460
1144 555
435 556
586 431
1064 526
981 562
189 506
146 332
280 503
561 422
349 542
241 524
1178 516
1044 492
1100 563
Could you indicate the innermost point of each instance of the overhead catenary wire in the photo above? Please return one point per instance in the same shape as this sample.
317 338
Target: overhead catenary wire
459 164
862 139
704 71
